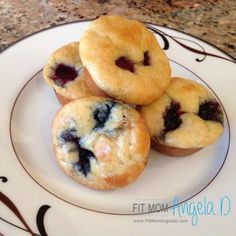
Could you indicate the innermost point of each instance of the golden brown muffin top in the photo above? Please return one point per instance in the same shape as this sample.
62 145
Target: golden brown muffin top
187 115
101 142
125 60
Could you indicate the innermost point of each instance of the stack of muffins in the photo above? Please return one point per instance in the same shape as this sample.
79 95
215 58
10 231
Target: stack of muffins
117 94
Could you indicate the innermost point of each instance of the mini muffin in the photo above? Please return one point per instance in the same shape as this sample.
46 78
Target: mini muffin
64 73
124 60
186 118
101 143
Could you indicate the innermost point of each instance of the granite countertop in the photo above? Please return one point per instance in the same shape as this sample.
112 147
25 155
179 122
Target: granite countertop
211 20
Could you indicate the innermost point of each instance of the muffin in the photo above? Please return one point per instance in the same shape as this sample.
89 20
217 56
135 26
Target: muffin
186 118
100 142
64 73
124 60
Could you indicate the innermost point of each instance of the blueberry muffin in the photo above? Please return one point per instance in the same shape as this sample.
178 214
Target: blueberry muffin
101 143
64 73
124 60
186 118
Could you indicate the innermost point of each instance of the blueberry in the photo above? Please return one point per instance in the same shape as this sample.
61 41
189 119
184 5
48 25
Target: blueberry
102 113
146 59
67 135
211 110
83 163
171 117
125 64
64 74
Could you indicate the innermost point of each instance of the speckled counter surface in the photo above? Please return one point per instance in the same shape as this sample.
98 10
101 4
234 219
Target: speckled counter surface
211 20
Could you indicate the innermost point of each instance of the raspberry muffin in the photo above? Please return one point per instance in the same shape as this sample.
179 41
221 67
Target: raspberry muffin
101 143
64 73
124 60
186 118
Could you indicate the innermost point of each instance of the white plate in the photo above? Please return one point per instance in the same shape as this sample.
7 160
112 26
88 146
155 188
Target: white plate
32 183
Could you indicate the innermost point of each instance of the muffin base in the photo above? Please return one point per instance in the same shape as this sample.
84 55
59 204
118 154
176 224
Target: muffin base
173 151
61 99
94 89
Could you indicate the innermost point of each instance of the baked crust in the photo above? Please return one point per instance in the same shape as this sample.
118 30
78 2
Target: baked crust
193 131
112 37
61 99
120 147
173 151
81 91
93 88
67 55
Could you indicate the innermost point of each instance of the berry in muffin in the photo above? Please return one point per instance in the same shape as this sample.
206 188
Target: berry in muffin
124 60
64 73
100 142
186 118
